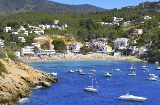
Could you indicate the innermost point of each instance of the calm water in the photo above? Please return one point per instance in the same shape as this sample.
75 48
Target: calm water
70 89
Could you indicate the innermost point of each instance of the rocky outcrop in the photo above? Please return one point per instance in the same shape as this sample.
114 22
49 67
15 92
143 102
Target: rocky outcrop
19 80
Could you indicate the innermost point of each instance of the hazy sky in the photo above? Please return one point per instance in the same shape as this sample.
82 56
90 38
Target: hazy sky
107 4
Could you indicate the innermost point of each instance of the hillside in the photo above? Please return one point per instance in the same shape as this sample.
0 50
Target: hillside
18 81
15 6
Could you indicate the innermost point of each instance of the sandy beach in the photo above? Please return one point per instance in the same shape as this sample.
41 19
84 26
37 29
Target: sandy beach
72 56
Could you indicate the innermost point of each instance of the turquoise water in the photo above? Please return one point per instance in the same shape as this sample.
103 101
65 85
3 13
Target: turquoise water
70 89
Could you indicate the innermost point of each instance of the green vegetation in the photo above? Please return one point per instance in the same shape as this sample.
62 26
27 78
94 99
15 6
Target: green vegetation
59 45
85 26
2 69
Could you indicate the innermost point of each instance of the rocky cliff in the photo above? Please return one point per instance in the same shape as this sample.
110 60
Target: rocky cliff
19 80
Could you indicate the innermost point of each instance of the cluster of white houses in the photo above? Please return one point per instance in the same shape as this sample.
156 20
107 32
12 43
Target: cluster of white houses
100 43
126 23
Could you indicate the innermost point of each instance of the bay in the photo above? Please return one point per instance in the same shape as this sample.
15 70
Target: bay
70 89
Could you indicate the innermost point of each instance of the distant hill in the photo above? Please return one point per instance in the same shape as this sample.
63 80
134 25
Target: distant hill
15 6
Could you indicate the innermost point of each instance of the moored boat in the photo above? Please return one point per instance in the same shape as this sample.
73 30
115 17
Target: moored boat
70 71
132 73
128 97
91 88
107 74
158 68
152 77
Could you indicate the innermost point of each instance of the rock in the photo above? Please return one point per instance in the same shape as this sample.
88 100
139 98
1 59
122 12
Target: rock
46 84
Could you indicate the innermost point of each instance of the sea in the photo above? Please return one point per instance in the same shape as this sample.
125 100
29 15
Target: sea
70 88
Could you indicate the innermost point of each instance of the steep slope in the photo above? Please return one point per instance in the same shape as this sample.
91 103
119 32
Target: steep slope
19 80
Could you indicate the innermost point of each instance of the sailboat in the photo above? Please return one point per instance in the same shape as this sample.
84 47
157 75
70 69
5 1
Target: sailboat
91 88
132 67
132 73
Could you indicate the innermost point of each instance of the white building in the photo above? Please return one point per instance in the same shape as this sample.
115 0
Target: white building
56 21
22 39
121 43
36 45
115 19
21 29
76 48
39 32
27 50
147 17
45 52
138 31
18 54
1 43
127 23
7 29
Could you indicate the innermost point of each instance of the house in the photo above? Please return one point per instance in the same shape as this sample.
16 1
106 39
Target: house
21 29
38 32
7 29
45 52
27 50
127 23
117 54
36 45
16 33
147 17
22 39
138 31
76 48
56 21
115 19
1 43
18 54
26 33
121 43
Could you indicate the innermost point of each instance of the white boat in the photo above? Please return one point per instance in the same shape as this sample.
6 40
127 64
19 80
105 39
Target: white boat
144 67
117 69
91 88
70 71
79 70
132 73
107 74
158 68
93 70
156 62
152 77
128 97
82 73
54 73
132 68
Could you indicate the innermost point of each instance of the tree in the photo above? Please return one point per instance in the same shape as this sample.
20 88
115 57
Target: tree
59 45
46 45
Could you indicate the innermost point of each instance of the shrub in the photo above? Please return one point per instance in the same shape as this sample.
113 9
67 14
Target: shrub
2 69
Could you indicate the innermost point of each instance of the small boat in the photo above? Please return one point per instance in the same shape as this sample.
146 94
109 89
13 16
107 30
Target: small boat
82 73
156 62
54 73
91 88
79 70
70 71
93 71
107 74
144 67
117 69
132 68
128 97
152 77
132 73
158 68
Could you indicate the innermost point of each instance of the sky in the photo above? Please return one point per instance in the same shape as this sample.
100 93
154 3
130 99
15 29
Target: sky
107 4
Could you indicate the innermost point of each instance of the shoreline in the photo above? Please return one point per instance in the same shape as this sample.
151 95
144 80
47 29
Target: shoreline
20 78
68 57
